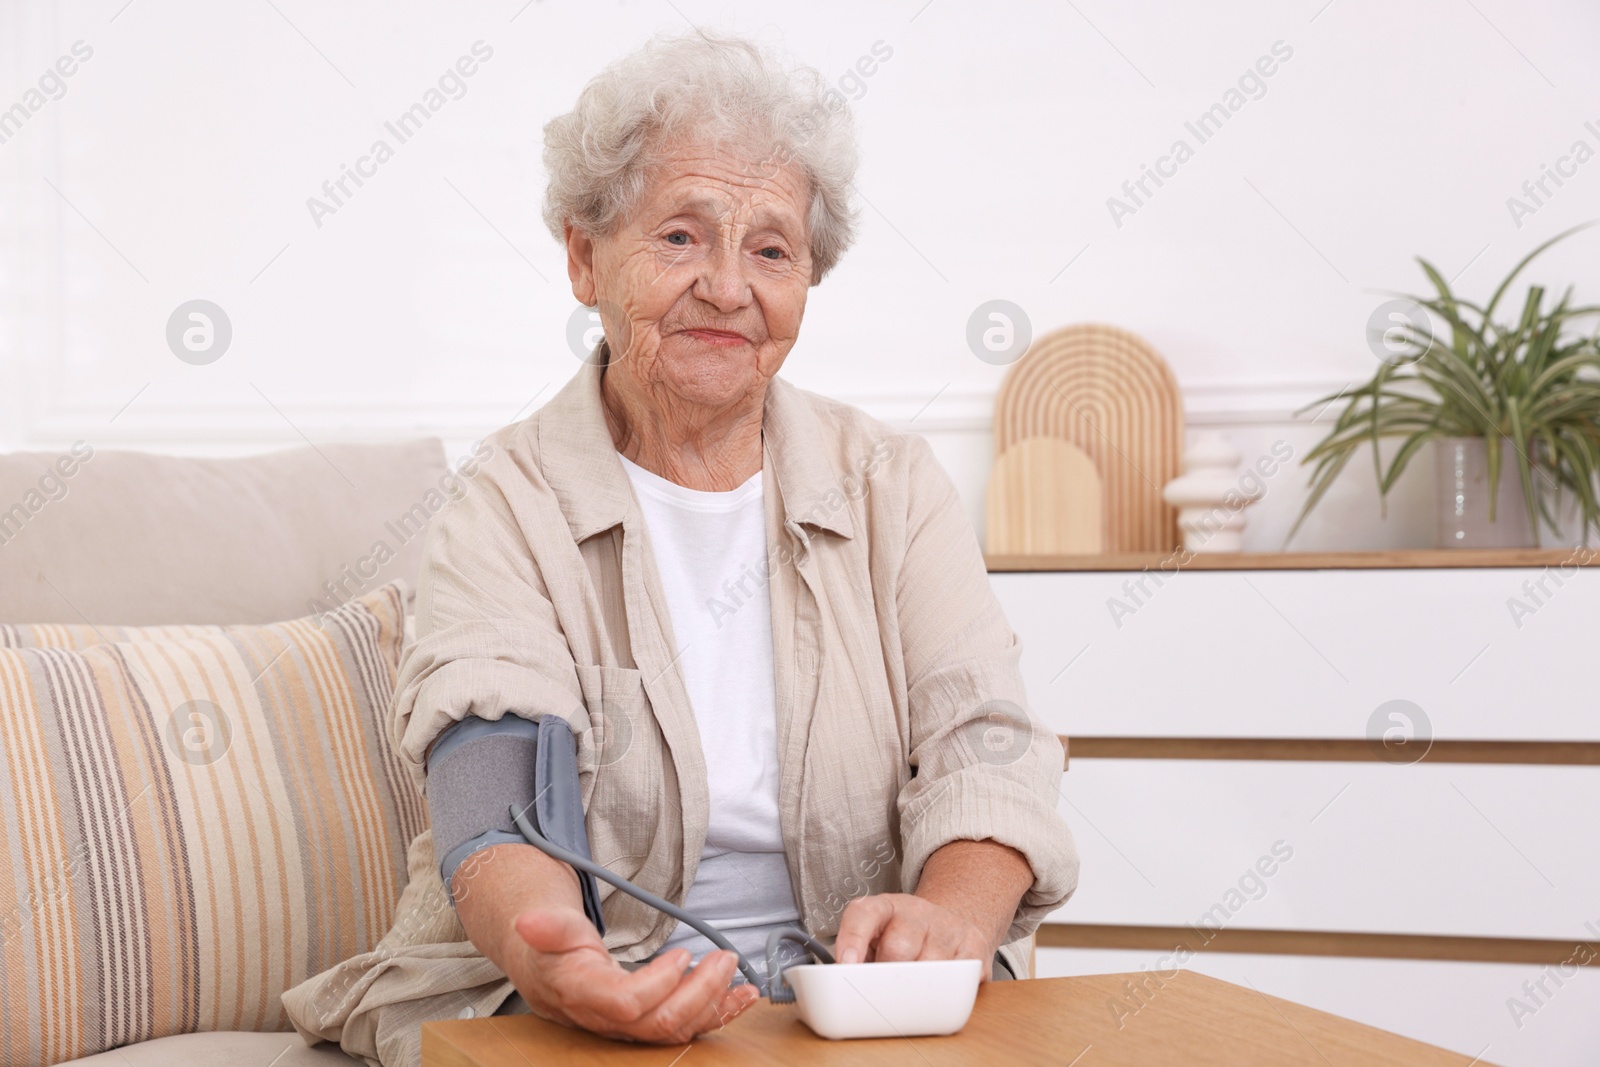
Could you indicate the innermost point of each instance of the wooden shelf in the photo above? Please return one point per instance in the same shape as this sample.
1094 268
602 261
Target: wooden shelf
1412 559
1258 941
1331 750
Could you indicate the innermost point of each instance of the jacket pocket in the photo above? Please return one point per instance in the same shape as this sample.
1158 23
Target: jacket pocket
620 756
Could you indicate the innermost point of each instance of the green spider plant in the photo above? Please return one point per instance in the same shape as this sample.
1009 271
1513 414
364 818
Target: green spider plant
1530 381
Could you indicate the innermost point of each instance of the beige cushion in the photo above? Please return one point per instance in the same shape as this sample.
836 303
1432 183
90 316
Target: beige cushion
222 1050
136 539
193 820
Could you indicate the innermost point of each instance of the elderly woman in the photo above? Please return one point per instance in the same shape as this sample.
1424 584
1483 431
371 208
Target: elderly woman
763 613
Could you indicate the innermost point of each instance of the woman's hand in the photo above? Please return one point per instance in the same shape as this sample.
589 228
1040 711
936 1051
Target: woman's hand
965 898
563 971
523 910
898 926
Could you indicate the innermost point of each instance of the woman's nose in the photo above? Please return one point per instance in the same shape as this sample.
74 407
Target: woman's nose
722 282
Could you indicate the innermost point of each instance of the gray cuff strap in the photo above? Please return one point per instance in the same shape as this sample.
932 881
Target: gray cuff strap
471 728
456 856
478 767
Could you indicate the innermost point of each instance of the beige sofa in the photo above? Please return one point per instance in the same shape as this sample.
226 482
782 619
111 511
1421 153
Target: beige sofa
103 538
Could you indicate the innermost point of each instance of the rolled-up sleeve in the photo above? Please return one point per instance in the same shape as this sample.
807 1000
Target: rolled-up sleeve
985 767
488 640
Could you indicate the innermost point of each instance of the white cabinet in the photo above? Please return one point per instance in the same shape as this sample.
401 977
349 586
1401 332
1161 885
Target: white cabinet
1308 653
1461 850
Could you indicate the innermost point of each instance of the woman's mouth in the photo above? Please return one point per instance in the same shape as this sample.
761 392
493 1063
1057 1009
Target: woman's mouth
716 337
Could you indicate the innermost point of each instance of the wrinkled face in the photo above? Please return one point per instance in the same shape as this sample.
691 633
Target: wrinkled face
702 288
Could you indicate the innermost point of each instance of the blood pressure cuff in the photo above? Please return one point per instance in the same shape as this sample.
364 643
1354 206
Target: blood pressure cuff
480 768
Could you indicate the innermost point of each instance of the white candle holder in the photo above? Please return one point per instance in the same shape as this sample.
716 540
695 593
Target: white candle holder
1210 501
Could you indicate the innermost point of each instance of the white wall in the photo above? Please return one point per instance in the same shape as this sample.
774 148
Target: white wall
179 161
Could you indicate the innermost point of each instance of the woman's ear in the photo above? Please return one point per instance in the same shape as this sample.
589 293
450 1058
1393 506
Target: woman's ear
580 264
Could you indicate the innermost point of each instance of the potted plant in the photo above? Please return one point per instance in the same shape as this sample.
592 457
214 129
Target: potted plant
1525 392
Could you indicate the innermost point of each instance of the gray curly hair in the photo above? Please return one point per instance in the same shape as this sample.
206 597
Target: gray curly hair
698 86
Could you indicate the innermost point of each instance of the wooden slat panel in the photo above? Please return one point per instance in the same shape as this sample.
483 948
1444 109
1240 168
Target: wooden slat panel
1331 750
1108 392
1321 943
1301 561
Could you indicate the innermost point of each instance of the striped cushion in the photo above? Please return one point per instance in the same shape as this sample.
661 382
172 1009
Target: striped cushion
87 635
194 820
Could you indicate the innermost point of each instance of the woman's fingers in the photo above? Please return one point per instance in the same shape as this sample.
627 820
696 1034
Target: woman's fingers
574 975
890 927
630 1000
734 1002
863 920
724 1007
944 942
903 938
661 1002
692 1008
899 927
956 941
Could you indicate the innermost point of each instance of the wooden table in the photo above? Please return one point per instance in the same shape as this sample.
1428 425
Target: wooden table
1189 1019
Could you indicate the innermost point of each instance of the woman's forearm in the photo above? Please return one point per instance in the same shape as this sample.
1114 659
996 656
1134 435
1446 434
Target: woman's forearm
495 885
982 881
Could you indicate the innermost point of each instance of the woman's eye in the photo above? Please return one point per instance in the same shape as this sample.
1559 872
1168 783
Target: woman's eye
672 238
777 253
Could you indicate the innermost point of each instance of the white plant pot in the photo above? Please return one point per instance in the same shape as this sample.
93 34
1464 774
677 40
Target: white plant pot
1461 465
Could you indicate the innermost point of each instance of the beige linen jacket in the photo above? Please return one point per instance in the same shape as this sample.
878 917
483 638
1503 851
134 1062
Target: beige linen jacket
901 714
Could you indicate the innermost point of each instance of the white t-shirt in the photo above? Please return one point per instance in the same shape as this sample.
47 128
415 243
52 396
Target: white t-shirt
711 551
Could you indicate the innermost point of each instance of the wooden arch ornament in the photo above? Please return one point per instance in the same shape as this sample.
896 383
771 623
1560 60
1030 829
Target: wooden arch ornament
1108 395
